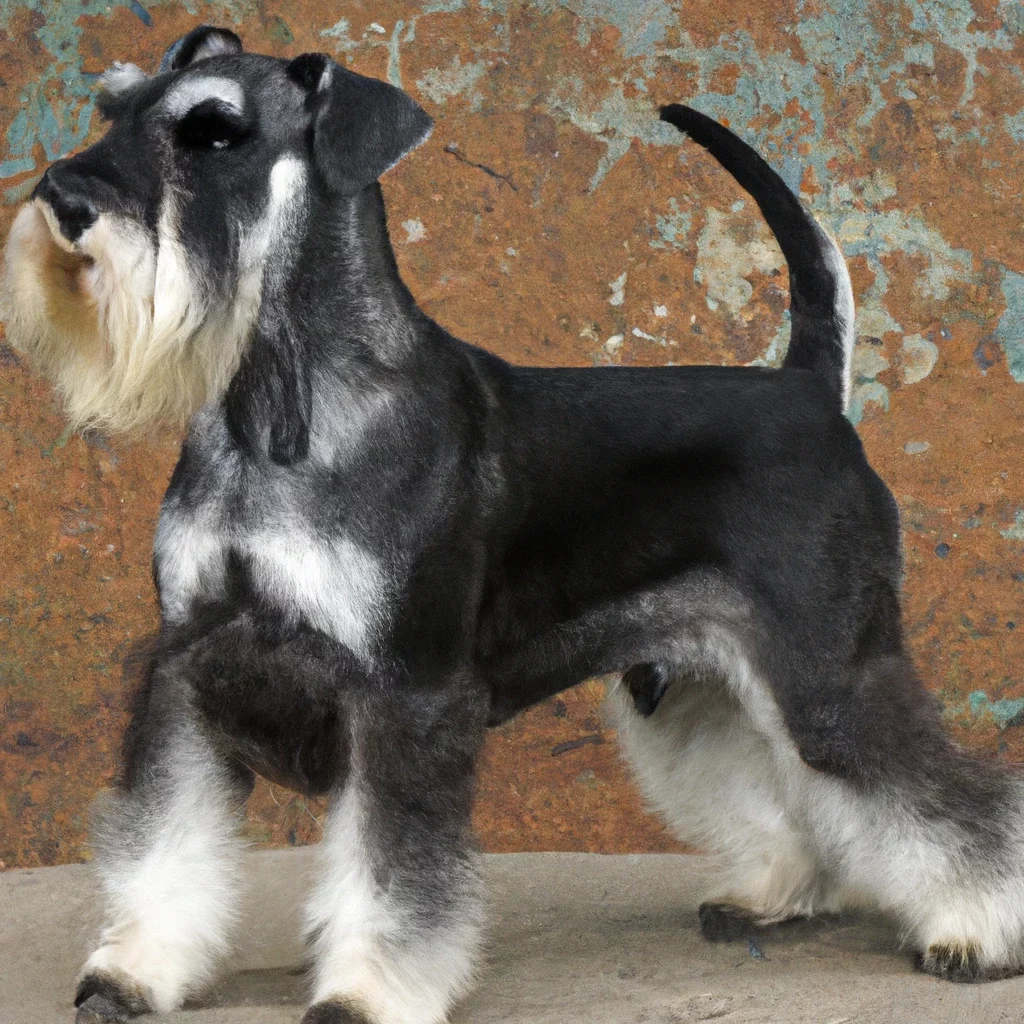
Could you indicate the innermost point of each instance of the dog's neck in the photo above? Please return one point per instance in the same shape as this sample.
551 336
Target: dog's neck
346 271
338 320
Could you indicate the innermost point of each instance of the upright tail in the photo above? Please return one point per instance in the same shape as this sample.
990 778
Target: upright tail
821 299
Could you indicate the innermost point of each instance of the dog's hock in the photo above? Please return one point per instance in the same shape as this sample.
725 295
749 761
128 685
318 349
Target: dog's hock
361 126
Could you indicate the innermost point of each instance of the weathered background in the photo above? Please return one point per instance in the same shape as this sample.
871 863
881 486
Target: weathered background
551 218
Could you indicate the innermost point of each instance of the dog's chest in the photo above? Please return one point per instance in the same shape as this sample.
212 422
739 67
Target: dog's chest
294 565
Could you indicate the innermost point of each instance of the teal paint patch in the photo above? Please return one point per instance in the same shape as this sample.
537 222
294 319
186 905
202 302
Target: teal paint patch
643 24
394 55
791 170
343 41
673 228
1012 13
1015 125
1003 711
869 393
954 22
861 45
20 192
19 165
1010 330
1015 532
57 107
868 362
442 84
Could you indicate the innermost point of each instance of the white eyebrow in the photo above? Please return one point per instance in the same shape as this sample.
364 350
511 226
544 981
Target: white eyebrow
191 91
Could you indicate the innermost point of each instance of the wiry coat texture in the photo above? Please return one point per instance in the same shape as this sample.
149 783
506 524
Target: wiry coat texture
380 539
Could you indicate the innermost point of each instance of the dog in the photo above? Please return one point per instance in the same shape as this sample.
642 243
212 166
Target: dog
379 540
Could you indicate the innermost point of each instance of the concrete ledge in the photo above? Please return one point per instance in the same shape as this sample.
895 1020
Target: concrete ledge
574 938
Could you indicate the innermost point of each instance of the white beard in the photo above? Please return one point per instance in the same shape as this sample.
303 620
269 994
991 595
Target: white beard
119 321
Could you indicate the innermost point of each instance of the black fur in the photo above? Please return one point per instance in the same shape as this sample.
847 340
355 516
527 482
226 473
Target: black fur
953 963
203 41
334 1013
815 338
722 922
647 685
466 537
102 998
360 126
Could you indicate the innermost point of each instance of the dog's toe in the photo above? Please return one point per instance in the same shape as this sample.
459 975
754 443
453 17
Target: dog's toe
102 998
724 922
953 961
99 1009
334 1012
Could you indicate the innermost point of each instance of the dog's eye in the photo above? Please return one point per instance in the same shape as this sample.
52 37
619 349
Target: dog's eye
212 125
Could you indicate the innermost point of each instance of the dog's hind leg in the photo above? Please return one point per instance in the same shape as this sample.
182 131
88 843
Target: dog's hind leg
168 859
705 768
872 806
916 826
395 919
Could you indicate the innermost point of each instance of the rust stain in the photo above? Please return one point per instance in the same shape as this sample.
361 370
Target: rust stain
546 192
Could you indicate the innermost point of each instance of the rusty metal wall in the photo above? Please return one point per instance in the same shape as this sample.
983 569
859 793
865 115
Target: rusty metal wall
551 219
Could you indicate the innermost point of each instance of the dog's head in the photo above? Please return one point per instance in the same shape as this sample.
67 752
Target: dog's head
135 275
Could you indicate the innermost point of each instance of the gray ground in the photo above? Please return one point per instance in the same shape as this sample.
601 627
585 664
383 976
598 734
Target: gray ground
601 940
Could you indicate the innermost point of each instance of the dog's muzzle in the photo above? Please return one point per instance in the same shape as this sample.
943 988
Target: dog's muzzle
65 193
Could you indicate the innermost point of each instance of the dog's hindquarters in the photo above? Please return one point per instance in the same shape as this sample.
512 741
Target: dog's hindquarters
917 829
702 764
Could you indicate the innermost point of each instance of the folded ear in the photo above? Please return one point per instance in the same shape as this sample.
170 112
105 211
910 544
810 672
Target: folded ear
360 126
202 42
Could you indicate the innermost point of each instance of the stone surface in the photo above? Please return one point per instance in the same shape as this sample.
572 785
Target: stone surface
552 219
574 938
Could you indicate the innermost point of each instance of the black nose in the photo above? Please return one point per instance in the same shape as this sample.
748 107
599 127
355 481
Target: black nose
65 193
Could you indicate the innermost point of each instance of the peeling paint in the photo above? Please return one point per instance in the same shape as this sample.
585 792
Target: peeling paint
340 32
615 120
869 360
414 230
441 84
643 24
394 74
918 357
1011 324
673 228
1015 532
725 261
618 287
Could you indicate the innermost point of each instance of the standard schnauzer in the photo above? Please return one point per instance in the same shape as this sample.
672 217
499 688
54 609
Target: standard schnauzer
379 540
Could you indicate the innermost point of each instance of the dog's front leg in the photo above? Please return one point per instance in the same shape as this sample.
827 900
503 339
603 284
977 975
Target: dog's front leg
168 859
395 919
